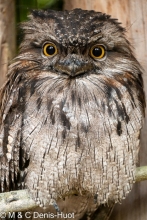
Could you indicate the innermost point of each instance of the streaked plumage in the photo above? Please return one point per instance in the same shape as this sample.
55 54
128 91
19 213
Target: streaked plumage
70 121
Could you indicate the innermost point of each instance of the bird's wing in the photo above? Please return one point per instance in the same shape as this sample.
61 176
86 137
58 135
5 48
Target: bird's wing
11 108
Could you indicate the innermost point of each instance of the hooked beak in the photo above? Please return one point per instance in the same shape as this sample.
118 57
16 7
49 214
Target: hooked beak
73 66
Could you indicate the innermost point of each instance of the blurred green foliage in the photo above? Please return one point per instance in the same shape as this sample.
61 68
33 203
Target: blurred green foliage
23 7
52 4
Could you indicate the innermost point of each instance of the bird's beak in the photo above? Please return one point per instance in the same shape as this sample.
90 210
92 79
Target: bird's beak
73 65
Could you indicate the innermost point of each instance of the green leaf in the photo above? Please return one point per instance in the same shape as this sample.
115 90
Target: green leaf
45 3
51 4
23 7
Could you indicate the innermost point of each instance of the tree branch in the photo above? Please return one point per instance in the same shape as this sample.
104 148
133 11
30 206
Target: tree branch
20 200
15 201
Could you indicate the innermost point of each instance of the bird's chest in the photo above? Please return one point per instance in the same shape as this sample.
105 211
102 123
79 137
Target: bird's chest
72 125
64 123
76 142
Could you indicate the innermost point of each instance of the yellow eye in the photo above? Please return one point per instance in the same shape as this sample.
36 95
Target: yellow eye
49 49
97 51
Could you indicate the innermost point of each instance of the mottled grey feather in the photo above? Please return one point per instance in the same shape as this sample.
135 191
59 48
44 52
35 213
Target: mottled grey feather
70 121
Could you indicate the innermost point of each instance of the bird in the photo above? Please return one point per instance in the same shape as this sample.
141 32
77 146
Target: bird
71 112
